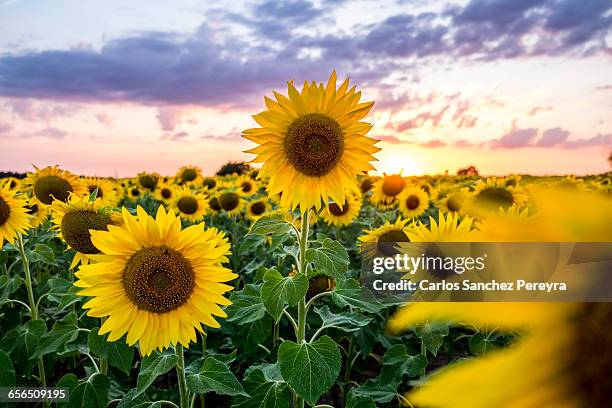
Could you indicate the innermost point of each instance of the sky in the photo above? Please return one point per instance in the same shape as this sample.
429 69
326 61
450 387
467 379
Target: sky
114 88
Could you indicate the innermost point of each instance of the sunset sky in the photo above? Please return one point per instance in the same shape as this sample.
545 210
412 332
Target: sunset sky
112 88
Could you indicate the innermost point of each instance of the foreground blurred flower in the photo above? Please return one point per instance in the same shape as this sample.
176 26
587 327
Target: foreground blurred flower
74 219
51 183
568 369
312 143
13 215
156 282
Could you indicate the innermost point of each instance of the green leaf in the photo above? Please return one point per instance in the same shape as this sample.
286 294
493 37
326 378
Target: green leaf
215 376
310 368
480 344
7 371
55 340
117 353
432 335
43 253
264 392
8 286
398 356
330 258
376 390
142 401
273 224
246 305
90 393
354 400
252 334
278 291
345 321
349 293
152 367
21 342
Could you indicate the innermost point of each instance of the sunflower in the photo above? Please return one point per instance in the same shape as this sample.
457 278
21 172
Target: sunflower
366 184
247 185
342 214
148 181
165 193
230 202
257 209
73 221
38 213
106 189
452 202
156 282
493 194
190 205
312 143
386 190
53 183
413 201
568 369
14 182
209 182
13 215
133 192
189 175
448 228
379 241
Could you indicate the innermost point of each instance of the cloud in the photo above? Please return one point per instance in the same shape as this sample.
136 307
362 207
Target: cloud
177 137
463 143
553 137
516 138
604 88
390 139
5 127
48 132
34 111
170 116
105 119
422 119
537 109
598 140
433 144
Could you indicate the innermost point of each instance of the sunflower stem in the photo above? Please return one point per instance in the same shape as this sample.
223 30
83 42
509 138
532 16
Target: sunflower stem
103 361
33 307
182 381
302 265
203 396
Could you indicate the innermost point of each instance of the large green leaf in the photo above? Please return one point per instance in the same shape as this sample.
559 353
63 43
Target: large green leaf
330 258
278 291
90 393
141 401
7 371
310 368
215 376
117 353
272 224
152 367
246 306
354 400
62 333
402 362
43 253
264 392
432 335
345 321
21 343
349 293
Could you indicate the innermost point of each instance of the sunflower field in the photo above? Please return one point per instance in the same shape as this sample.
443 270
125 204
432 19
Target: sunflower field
243 289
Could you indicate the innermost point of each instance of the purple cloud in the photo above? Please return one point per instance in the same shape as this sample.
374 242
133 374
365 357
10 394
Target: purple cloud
598 140
516 138
553 137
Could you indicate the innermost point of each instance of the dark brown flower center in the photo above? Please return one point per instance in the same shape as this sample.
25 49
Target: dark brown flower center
229 201
338 211
258 208
148 181
158 279
48 187
453 204
209 182
32 209
246 187
75 228
189 174
214 204
187 205
393 185
135 192
166 193
5 212
314 144
386 241
412 202
491 198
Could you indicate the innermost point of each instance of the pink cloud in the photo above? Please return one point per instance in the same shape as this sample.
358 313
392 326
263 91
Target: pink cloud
105 119
538 109
171 116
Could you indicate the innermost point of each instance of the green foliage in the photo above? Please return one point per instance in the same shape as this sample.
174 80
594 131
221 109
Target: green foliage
278 291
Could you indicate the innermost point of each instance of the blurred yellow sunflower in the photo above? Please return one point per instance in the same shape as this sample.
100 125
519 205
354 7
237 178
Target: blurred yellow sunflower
379 241
209 182
230 202
563 358
106 189
190 205
165 193
493 194
312 143
452 202
148 181
53 183
189 175
155 281
413 201
449 228
13 215
247 185
386 190
75 219
133 192
342 214
257 209
38 213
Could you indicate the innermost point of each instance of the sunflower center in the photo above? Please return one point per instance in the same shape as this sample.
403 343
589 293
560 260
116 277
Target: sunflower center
366 185
258 208
495 197
166 193
338 211
591 359
135 192
5 211
393 185
158 279
229 201
189 174
385 241
246 187
48 187
76 225
214 204
314 144
187 205
210 183
413 202
148 181
99 194
453 204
